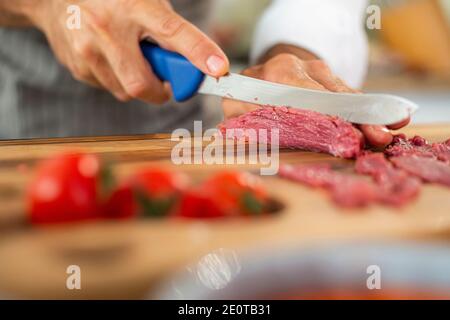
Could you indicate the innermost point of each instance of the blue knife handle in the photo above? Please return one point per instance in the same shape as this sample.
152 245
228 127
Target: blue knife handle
184 78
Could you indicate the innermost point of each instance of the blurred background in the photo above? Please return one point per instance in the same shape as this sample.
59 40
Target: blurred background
409 56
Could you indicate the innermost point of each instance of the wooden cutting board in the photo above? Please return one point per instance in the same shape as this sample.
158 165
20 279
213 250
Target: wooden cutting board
126 259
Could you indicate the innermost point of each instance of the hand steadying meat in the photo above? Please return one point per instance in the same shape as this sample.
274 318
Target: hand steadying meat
294 66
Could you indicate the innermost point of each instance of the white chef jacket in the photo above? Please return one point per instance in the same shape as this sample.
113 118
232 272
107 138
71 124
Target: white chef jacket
331 29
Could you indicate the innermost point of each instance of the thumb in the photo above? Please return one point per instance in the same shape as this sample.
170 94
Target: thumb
173 32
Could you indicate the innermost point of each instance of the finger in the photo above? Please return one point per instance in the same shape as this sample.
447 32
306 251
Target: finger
254 72
79 72
233 108
108 80
303 80
79 61
134 73
320 72
173 32
400 125
289 69
83 73
377 136
342 83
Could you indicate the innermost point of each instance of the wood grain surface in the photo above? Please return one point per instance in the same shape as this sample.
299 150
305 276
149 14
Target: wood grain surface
127 259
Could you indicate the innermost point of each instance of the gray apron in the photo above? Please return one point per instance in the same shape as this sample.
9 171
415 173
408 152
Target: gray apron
39 97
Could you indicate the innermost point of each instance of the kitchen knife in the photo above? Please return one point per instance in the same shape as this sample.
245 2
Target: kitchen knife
186 81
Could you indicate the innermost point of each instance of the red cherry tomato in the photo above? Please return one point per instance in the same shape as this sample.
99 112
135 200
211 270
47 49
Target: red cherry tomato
151 192
121 203
199 204
238 193
65 189
225 194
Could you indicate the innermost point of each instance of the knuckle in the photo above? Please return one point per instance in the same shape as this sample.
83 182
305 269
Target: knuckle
284 61
247 73
122 96
80 74
84 49
171 25
286 58
198 48
318 64
77 75
160 100
98 21
136 89
250 72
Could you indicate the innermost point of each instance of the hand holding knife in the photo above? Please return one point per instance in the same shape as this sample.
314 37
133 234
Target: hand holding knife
186 81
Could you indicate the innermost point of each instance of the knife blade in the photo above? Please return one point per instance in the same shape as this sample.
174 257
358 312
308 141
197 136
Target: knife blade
186 81
376 109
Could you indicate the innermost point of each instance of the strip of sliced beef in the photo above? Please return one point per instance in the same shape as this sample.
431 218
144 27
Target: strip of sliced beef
396 186
346 190
300 129
442 151
388 186
428 169
402 146
430 162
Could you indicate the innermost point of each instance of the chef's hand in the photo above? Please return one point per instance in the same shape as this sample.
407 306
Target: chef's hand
306 72
105 51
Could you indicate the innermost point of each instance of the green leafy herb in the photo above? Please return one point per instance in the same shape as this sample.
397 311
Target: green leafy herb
252 204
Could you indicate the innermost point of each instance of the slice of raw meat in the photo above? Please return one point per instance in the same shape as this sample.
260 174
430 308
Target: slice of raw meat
401 146
428 169
388 186
346 190
442 151
396 187
299 129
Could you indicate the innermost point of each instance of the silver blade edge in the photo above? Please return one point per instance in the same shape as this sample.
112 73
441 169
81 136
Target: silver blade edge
375 109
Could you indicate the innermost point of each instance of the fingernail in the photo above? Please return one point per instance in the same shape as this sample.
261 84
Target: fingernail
215 64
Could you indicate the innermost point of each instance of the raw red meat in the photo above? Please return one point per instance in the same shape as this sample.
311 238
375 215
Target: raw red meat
390 186
442 151
394 183
430 162
300 129
396 187
428 169
401 146
345 189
